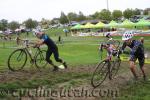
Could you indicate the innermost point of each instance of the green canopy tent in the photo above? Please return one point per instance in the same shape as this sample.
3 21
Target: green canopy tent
89 25
127 24
100 25
112 24
78 26
142 23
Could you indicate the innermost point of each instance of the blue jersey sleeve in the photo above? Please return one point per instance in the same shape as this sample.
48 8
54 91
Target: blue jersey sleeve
44 37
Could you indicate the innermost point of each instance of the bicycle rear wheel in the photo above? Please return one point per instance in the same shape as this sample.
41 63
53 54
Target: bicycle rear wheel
100 74
115 67
40 60
17 60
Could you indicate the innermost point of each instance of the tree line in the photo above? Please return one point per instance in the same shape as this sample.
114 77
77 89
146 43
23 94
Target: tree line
104 14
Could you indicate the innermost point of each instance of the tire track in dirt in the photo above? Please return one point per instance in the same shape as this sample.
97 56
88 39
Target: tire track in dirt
123 78
8 76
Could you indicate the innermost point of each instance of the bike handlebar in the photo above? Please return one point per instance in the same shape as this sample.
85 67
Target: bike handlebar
27 43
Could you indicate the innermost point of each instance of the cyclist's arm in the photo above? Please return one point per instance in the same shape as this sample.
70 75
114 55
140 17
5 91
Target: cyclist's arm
40 42
123 46
122 49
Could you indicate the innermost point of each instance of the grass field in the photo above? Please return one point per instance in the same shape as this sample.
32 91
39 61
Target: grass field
81 54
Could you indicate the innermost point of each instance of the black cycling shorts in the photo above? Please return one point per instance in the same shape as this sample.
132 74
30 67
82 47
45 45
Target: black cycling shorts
141 59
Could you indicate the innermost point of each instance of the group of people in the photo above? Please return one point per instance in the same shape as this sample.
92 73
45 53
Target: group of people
137 50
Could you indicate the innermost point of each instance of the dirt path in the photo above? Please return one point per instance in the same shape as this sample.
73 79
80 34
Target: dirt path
81 83
9 76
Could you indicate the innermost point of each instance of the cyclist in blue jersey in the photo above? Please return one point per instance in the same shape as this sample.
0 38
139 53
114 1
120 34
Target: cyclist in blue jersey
52 49
137 52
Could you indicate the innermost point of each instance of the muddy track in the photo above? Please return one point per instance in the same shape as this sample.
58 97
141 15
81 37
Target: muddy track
123 78
8 76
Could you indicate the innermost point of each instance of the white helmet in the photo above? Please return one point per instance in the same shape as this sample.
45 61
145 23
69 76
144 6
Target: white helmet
36 32
127 35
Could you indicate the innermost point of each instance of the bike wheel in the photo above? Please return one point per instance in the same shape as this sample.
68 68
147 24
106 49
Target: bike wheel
17 60
40 60
100 74
101 54
115 67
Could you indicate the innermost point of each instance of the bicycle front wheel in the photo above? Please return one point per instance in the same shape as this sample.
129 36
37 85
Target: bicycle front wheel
40 59
17 60
100 74
101 54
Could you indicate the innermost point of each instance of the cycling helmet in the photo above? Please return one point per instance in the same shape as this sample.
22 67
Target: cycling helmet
36 32
127 35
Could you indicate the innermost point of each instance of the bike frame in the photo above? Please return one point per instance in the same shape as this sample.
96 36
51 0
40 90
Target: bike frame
117 56
28 53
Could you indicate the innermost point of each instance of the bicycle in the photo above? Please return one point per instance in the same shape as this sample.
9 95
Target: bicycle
111 41
18 58
106 68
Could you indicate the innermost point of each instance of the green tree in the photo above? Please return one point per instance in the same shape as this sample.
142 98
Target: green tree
116 14
13 25
128 13
72 16
63 18
31 23
89 18
95 15
81 17
105 15
54 21
3 24
45 23
137 11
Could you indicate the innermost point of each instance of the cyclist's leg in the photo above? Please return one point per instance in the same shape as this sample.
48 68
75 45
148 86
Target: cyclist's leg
141 60
48 54
132 65
56 56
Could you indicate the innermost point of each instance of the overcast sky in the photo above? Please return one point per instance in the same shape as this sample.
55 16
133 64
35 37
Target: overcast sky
20 10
